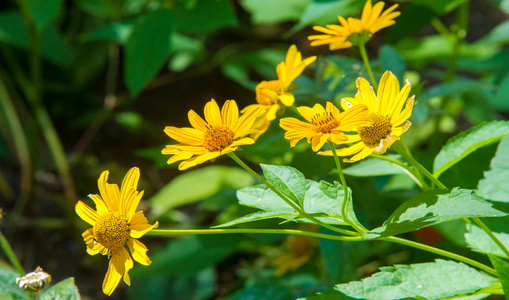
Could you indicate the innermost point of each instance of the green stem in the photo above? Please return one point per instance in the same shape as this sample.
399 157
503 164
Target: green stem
440 252
346 197
365 59
416 177
490 233
458 39
174 232
22 150
10 254
288 201
418 166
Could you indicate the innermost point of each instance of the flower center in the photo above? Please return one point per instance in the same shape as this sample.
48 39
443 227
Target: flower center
324 123
112 230
263 92
372 135
217 138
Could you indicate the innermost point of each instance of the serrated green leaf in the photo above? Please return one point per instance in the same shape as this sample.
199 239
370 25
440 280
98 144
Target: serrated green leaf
64 290
257 216
467 142
8 285
43 11
147 48
375 167
480 241
322 200
434 207
494 185
184 189
436 280
270 12
287 180
502 268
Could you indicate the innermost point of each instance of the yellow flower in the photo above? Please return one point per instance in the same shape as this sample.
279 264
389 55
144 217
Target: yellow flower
222 132
116 227
269 94
389 111
324 124
355 31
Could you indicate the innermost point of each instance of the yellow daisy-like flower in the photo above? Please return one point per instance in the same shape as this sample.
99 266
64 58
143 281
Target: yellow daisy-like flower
355 31
221 132
325 124
116 227
389 111
269 94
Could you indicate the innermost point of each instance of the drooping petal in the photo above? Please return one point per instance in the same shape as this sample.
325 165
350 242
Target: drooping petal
361 155
318 141
86 213
114 274
139 251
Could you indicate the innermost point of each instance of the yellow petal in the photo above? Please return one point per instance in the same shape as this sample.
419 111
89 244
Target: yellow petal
102 182
366 94
185 135
139 251
318 141
130 182
113 276
212 113
287 99
196 121
86 213
361 155
100 206
230 113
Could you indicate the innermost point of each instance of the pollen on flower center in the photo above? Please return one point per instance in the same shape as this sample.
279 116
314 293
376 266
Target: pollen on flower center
264 98
217 138
372 135
324 123
112 230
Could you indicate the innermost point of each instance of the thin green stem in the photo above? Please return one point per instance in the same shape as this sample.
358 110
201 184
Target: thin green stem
406 168
418 166
492 236
288 201
440 252
346 197
365 59
174 232
10 254
459 35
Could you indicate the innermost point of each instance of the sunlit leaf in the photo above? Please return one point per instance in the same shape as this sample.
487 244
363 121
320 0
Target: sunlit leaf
480 241
434 207
269 11
196 185
65 289
257 216
147 48
8 285
287 180
499 34
467 142
436 280
494 186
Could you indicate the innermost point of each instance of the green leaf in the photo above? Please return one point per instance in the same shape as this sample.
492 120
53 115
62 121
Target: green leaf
500 99
467 142
53 46
434 207
440 6
494 185
326 12
321 199
8 285
196 185
117 32
480 241
498 35
270 11
64 290
436 280
375 167
502 268
287 180
43 11
454 87
391 60
205 16
147 48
